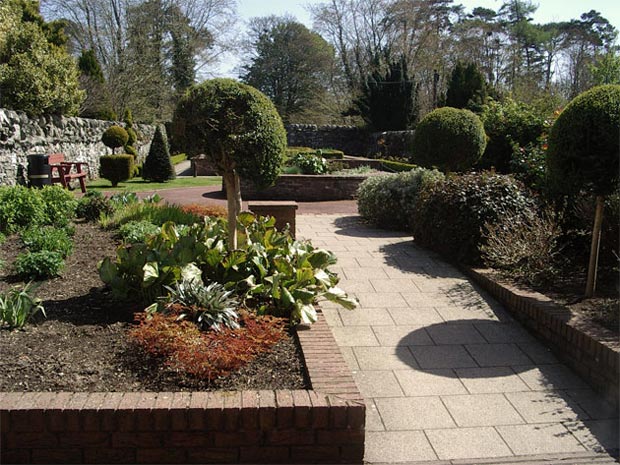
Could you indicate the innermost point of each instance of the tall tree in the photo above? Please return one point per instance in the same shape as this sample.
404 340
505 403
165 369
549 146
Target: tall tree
467 87
289 64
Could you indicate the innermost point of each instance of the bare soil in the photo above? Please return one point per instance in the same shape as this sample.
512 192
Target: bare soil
82 344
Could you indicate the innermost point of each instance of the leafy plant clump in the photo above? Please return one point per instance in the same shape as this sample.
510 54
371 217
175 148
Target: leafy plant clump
158 166
137 231
449 139
48 238
18 306
39 265
309 163
451 214
115 137
93 205
184 348
388 201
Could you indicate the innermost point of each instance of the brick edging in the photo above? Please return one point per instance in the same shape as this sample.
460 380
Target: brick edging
322 425
591 350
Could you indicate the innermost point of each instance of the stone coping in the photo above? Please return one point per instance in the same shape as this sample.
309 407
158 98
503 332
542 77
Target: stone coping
321 425
588 348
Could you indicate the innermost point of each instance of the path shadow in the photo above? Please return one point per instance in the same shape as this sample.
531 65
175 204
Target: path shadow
497 358
353 226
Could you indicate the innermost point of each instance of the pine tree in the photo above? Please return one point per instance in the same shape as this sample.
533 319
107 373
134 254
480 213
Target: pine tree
467 88
158 166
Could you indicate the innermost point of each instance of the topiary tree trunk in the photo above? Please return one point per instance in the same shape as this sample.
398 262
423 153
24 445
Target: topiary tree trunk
595 246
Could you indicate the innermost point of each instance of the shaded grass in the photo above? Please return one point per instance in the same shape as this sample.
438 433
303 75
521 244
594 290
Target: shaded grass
138 184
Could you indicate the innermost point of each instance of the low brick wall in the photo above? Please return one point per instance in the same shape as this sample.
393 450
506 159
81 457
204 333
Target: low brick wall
323 425
305 188
591 350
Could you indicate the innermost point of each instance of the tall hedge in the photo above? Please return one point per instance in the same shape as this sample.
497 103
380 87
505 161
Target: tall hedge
449 139
158 165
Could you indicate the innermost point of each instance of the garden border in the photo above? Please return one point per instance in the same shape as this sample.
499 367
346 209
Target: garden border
322 425
591 350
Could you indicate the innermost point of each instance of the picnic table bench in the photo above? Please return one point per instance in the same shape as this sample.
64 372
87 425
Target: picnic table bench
62 171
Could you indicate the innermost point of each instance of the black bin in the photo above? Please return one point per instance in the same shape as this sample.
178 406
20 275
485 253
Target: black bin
39 171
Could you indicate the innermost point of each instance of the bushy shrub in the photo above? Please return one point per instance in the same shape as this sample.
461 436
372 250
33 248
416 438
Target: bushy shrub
450 214
60 205
158 166
92 205
137 231
39 265
309 163
116 168
388 201
48 238
114 137
526 247
449 139
150 212
20 207
508 123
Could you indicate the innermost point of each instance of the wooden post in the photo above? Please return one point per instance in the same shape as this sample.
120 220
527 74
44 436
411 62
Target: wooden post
594 248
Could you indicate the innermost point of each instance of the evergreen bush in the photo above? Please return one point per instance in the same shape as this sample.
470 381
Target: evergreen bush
116 168
449 139
158 166
114 137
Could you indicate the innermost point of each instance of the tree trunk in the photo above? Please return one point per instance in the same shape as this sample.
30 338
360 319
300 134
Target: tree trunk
594 249
233 197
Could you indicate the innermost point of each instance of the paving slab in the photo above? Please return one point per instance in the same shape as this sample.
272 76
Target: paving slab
490 380
398 446
539 439
546 407
429 382
375 384
384 358
366 317
413 413
407 335
455 334
482 410
467 443
452 356
497 355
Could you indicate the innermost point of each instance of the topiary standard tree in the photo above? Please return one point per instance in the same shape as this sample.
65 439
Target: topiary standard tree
114 137
449 139
584 153
132 137
239 129
158 166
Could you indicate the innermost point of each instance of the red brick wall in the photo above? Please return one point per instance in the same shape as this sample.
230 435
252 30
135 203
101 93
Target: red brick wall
323 425
305 188
591 350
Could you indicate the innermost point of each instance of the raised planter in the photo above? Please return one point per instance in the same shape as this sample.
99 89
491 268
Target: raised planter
591 350
305 188
322 425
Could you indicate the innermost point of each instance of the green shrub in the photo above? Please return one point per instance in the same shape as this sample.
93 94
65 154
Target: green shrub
448 139
17 306
48 238
116 168
92 205
137 231
176 159
450 214
20 207
151 213
2 238
309 163
506 124
39 265
388 201
158 166
115 137
330 154
584 144
130 150
60 205
396 166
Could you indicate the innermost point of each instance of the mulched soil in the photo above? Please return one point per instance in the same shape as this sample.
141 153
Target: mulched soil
82 344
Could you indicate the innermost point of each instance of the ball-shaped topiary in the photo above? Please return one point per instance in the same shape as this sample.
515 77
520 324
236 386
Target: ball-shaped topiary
449 139
114 137
584 147
158 166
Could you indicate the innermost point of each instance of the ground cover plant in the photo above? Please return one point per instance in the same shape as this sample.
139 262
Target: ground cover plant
138 184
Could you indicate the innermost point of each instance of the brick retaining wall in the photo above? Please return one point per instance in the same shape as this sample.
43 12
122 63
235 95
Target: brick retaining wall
323 425
305 188
591 350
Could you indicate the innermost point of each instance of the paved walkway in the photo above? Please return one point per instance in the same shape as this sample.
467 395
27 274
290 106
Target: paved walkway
446 372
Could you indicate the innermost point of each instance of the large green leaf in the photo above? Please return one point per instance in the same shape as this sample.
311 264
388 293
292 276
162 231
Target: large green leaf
151 273
337 295
107 270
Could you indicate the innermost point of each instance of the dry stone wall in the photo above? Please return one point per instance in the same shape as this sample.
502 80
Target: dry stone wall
78 138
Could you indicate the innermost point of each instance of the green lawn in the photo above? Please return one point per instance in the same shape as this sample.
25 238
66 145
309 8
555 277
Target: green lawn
138 184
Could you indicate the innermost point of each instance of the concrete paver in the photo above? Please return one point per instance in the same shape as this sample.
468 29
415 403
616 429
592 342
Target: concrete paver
447 374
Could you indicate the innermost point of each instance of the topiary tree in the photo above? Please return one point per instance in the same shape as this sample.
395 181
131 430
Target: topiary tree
584 153
449 139
239 129
158 166
132 137
114 137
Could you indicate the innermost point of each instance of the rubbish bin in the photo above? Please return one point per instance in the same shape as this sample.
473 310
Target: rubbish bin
39 171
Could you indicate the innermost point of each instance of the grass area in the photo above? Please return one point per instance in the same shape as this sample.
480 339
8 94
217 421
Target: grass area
138 184
176 159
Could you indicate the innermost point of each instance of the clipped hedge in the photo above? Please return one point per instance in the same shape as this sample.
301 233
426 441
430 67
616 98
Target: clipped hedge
116 168
388 201
451 214
396 166
449 139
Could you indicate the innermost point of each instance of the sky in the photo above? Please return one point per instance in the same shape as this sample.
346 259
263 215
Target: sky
548 11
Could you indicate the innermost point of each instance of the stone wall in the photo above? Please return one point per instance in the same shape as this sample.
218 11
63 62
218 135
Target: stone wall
78 138
350 139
